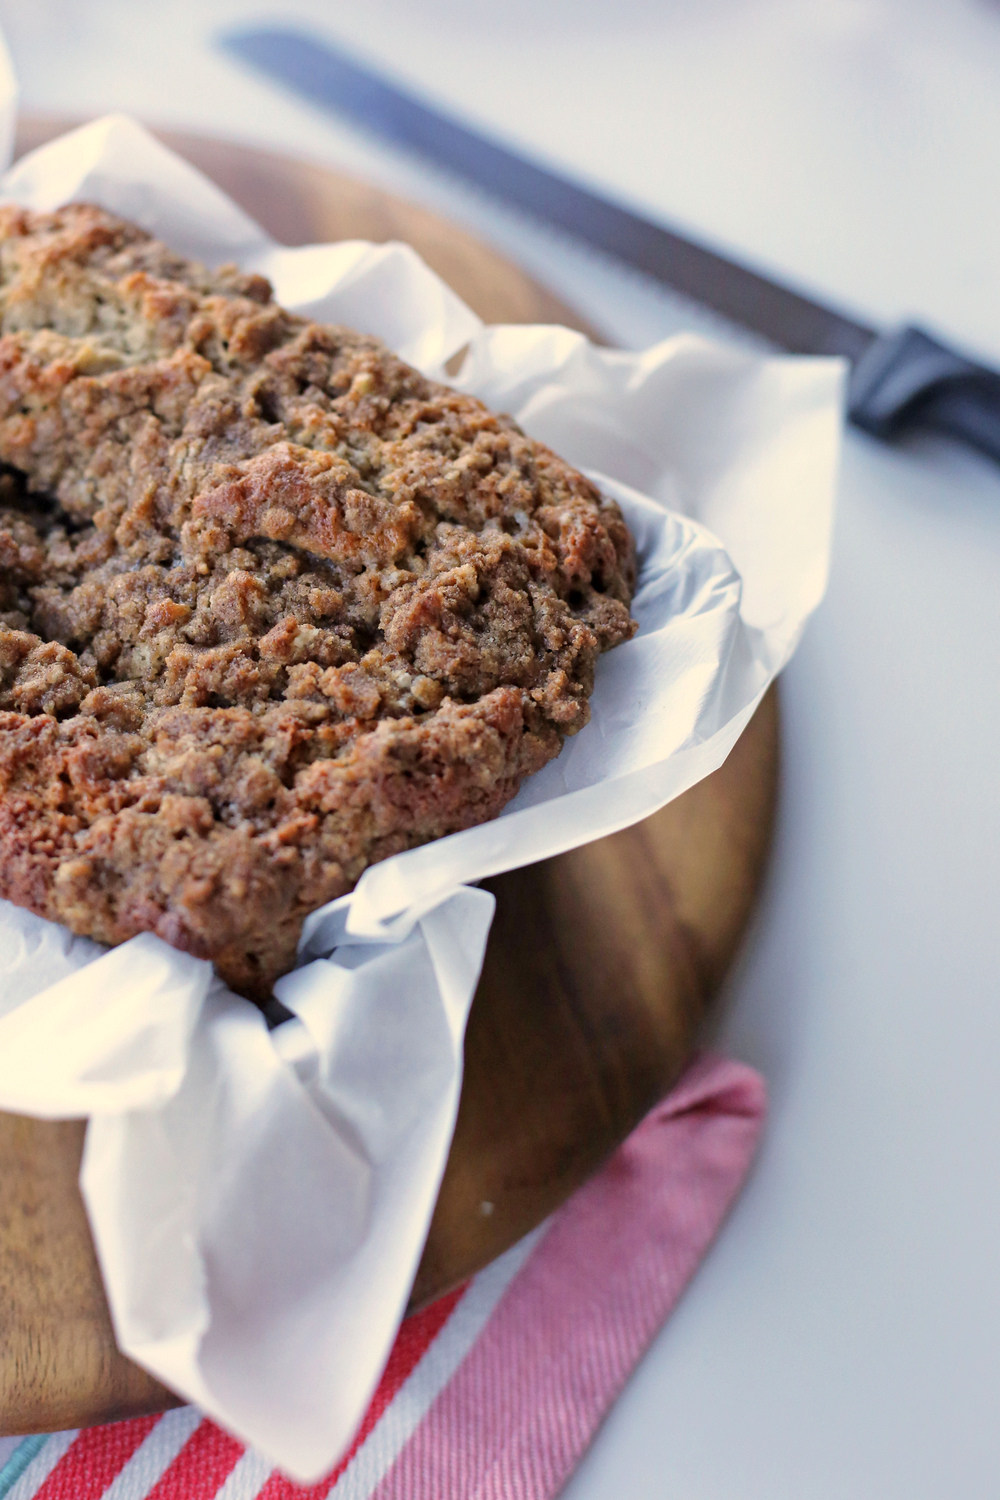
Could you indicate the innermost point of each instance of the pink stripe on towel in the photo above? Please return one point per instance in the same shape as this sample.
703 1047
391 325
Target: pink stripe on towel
520 1411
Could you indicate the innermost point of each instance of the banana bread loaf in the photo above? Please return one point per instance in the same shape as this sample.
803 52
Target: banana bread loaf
273 606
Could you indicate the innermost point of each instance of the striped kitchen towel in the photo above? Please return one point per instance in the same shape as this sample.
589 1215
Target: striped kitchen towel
495 1391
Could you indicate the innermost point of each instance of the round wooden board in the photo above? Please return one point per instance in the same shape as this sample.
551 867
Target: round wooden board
600 969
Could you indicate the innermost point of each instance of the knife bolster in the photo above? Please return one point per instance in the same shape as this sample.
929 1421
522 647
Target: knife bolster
907 379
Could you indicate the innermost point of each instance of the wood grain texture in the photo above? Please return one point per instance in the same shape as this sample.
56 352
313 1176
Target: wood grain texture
601 965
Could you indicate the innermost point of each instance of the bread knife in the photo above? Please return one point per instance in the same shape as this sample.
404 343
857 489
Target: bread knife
900 380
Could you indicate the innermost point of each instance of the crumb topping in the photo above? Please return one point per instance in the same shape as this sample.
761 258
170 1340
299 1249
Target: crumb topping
272 604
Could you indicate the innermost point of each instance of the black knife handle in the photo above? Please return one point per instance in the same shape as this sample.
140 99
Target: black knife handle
907 379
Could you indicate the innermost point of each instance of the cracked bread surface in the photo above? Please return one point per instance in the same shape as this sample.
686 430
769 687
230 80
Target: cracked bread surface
273 605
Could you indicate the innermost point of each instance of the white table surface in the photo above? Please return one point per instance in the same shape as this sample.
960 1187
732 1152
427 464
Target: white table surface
843 1337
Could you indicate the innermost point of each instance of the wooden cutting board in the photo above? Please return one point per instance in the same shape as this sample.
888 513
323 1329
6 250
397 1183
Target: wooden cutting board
601 967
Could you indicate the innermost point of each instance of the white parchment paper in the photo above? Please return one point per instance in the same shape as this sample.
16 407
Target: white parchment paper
259 1200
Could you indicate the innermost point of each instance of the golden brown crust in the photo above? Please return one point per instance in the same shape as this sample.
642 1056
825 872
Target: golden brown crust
272 604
